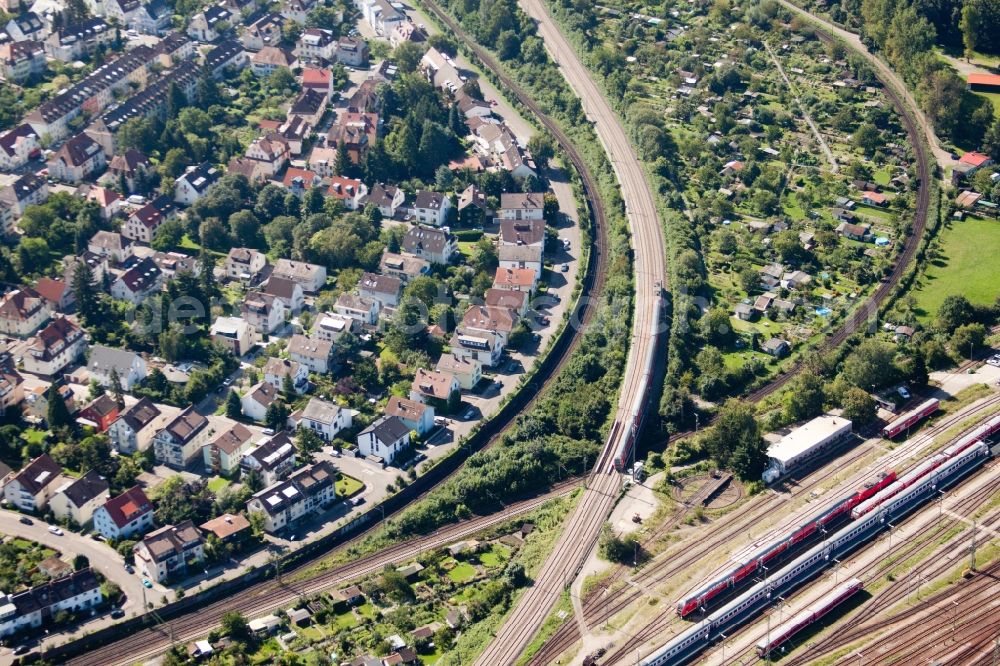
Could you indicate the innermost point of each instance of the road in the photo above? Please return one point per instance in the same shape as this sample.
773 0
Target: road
584 525
102 557
887 76
270 596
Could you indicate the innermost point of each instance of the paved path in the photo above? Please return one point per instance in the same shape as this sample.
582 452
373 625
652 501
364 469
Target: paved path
888 76
802 109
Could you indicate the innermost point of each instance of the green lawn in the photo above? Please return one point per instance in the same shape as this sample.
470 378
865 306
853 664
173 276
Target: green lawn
463 572
994 99
968 267
882 176
218 484
34 436
348 486
495 556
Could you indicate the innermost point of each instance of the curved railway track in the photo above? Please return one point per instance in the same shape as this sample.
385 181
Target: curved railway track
257 598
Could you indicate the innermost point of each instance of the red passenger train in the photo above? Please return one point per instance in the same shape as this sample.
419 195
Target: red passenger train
911 418
763 556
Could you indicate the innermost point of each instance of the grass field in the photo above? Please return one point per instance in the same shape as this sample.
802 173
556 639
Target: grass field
968 267
218 484
462 572
348 486
994 98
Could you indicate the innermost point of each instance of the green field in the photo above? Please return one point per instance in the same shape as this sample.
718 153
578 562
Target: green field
968 266
348 486
463 572
218 484
994 98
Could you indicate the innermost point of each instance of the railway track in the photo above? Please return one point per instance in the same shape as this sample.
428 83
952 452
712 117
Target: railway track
611 598
267 597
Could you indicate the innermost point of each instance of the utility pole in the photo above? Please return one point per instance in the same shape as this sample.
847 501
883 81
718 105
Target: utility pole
972 549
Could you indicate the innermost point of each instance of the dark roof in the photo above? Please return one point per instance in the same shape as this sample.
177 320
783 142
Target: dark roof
154 97
59 331
186 425
86 488
28 22
308 102
142 276
387 429
419 239
271 452
83 30
61 589
380 284
129 161
78 150
221 54
101 406
39 473
281 287
231 440
26 186
128 506
427 199
522 232
201 177
141 414
8 140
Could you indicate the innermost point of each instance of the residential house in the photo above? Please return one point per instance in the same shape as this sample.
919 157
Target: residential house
437 246
27 190
100 413
776 347
358 308
330 327
26 26
287 291
224 454
151 18
264 62
109 245
271 153
18 146
383 289
206 26
264 312
234 333
495 320
36 402
483 346
55 347
133 429
125 516
313 353
433 387
138 283
468 371
414 414
244 264
352 51
265 31
304 493
349 191
387 198
515 279
473 209
228 56
229 528
795 280
874 199
314 78
858 232
195 182
366 98
324 418
31 489
80 40
128 166
21 61
431 208
505 298
299 181
381 15
514 257
310 276
257 400
277 369
441 71
273 458
403 267
358 132
403 32
143 223
522 206
309 105
166 553
26 611
103 362
322 161
11 391
744 311
386 438
78 499
316 44
78 159
108 201
22 312
181 439
471 107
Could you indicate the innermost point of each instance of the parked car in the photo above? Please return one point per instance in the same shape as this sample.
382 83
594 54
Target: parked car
565 268
117 613
55 530
24 520
20 649
994 360
129 568
903 393
147 584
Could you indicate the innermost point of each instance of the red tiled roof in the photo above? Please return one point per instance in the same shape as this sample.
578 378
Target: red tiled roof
973 158
984 79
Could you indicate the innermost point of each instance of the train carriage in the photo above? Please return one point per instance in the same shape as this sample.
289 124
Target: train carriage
811 614
911 418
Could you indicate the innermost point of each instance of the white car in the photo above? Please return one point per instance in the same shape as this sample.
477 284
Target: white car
994 360
55 530
903 393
